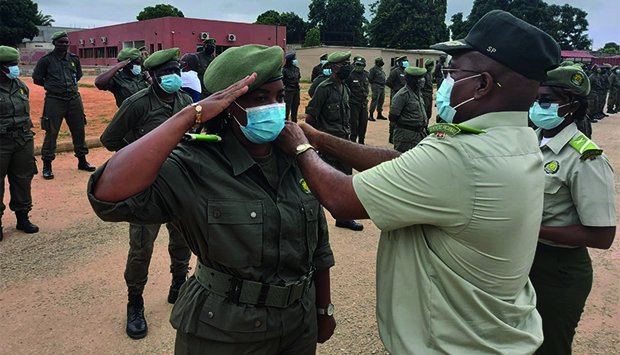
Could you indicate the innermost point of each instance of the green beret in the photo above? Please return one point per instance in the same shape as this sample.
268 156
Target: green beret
415 71
129 53
359 60
209 41
566 63
236 63
323 56
378 60
143 48
338 57
8 54
429 62
160 57
59 34
569 77
607 66
402 57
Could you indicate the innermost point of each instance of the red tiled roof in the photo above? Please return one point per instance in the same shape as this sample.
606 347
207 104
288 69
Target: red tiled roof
576 54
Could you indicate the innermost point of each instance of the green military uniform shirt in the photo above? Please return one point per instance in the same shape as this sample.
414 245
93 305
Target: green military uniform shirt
376 76
236 222
291 77
459 218
330 107
15 112
59 75
203 63
577 191
427 89
409 105
316 82
358 84
396 80
140 114
124 84
316 71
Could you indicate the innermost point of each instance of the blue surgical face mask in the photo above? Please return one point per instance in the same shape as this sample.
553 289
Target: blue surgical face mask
405 63
295 62
444 110
323 62
13 72
136 70
170 83
546 118
327 72
264 123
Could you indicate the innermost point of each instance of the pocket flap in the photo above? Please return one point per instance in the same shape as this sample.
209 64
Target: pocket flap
234 212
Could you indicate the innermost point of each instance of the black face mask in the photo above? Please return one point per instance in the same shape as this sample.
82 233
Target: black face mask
344 72
380 64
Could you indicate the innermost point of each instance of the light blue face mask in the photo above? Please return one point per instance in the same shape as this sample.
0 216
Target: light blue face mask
171 83
264 123
405 63
546 118
442 102
13 72
327 72
136 70
295 62
323 62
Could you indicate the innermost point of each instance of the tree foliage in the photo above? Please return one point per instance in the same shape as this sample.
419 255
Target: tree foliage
611 48
295 25
313 37
18 20
159 10
408 23
341 22
44 20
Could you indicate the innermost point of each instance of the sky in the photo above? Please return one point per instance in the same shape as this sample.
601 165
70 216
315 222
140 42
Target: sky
602 14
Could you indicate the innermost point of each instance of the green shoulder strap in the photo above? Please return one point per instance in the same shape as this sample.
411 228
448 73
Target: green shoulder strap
452 129
585 146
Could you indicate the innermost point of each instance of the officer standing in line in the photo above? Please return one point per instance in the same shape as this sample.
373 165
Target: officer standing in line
427 90
396 81
138 115
597 88
59 72
614 91
325 74
407 111
125 78
318 69
605 71
291 77
205 57
376 78
144 53
16 141
358 101
329 112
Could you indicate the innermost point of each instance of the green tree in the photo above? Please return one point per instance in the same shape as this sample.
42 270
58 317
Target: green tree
295 25
44 20
313 37
610 48
269 17
458 28
341 22
157 11
18 19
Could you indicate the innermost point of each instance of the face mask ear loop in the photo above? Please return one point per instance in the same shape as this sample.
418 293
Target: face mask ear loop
239 107
463 103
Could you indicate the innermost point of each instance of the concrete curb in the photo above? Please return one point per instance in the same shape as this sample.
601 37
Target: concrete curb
67 146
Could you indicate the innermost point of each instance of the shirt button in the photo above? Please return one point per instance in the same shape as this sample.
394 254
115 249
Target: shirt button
257 324
253 214
217 214
210 314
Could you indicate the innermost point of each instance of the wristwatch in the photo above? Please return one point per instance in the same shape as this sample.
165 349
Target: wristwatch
329 311
198 110
303 148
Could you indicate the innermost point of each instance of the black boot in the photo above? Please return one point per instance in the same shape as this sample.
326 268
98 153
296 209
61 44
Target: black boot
24 224
1 234
350 223
177 282
136 323
47 170
83 164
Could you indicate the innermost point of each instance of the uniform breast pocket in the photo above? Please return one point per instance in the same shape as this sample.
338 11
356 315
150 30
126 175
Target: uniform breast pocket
553 186
311 212
235 232
25 103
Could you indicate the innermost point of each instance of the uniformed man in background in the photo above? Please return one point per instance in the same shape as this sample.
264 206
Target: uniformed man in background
358 101
329 112
205 57
16 141
290 78
125 78
396 81
376 78
427 90
325 74
407 111
59 72
613 105
137 116
318 69
596 92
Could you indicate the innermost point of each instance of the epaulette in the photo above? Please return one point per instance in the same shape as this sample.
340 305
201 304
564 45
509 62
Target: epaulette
585 146
441 129
207 138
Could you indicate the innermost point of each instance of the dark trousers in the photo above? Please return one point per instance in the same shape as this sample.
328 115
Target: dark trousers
562 278
18 163
377 99
54 110
291 99
428 103
359 121
141 242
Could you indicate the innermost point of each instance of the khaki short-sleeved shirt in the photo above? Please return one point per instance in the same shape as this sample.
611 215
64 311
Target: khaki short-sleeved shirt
409 105
459 217
576 191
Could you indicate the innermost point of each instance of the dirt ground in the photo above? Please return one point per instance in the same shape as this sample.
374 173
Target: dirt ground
62 290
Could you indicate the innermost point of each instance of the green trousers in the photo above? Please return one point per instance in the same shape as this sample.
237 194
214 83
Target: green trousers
359 121
54 110
428 103
291 100
17 162
141 241
377 99
562 278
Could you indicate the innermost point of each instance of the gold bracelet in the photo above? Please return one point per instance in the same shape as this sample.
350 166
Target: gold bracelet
198 113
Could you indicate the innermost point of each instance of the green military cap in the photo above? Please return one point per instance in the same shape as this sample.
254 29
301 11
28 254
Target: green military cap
567 63
402 57
415 71
143 48
323 56
569 77
607 66
429 62
338 57
59 34
8 54
614 67
160 57
359 60
378 60
210 41
236 63
129 53
523 48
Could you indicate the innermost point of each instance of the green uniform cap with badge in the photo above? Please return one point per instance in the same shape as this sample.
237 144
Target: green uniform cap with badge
428 63
161 57
236 63
401 58
59 34
359 60
378 60
8 54
323 56
129 53
524 48
338 57
415 71
569 77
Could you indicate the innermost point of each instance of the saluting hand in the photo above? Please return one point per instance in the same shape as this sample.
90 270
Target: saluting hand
218 102
290 137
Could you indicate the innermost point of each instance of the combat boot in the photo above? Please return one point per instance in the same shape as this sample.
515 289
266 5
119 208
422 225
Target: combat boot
1 234
350 224
47 170
24 224
136 323
83 164
177 282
